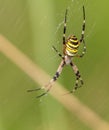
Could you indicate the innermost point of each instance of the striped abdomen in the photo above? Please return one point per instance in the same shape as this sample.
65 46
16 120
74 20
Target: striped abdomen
71 46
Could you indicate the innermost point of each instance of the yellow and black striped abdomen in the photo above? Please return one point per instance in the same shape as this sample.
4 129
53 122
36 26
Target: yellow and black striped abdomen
71 46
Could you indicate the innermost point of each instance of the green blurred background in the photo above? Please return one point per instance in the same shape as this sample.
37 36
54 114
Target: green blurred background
33 26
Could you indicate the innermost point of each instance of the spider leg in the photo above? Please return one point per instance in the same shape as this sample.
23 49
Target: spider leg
31 90
64 31
57 52
84 50
83 26
55 77
79 81
48 86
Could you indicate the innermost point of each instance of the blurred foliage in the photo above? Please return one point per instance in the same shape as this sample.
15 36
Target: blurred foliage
33 27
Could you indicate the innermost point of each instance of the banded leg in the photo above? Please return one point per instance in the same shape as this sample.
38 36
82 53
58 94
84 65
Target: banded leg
83 26
58 52
84 50
64 31
79 81
48 86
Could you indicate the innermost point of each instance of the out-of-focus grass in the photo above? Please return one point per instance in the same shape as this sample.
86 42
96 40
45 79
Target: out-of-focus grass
31 27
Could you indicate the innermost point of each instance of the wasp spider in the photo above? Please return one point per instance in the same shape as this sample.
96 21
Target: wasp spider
70 50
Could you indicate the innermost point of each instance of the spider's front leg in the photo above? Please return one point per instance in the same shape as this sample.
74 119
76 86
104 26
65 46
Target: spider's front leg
79 81
48 86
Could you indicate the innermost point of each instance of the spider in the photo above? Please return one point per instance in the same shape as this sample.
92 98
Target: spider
70 50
